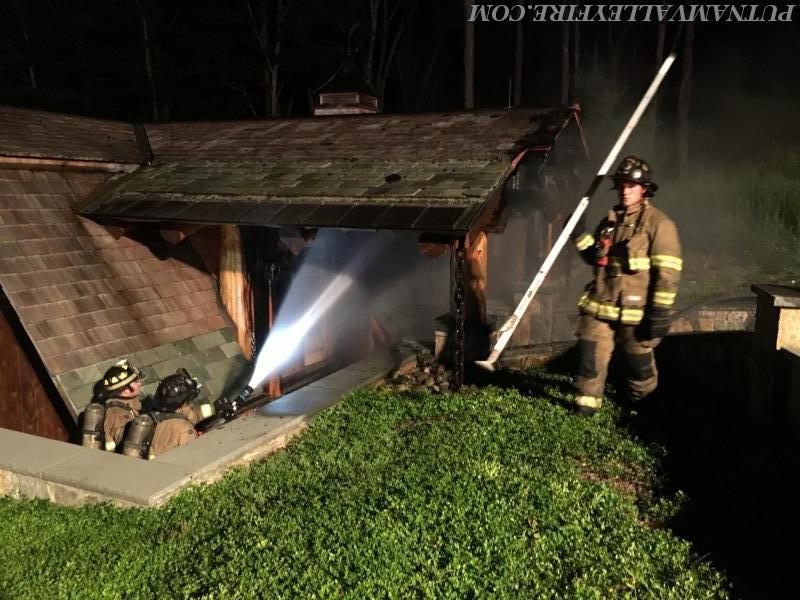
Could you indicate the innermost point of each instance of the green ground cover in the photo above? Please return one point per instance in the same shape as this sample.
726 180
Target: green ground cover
494 493
739 224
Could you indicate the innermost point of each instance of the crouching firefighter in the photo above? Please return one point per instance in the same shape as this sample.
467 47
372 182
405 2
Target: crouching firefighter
166 427
197 409
115 404
636 255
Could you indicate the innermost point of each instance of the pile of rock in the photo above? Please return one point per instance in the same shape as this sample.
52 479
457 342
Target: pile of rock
420 375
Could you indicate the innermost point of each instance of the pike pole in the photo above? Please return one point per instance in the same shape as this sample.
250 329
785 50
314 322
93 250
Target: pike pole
507 330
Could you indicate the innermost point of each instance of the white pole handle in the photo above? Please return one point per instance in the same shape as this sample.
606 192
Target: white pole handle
507 330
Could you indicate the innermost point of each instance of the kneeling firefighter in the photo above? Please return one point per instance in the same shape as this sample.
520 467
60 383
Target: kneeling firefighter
166 427
115 404
636 255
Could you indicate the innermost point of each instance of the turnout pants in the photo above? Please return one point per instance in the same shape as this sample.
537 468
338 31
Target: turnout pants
596 342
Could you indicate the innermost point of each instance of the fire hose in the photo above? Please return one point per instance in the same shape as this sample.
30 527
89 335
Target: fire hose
229 407
507 330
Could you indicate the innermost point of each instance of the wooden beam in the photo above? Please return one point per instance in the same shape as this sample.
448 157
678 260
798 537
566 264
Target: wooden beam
117 229
232 285
175 233
476 274
206 242
434 245
21 162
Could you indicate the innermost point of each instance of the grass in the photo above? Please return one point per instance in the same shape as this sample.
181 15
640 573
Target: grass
488 494
739 226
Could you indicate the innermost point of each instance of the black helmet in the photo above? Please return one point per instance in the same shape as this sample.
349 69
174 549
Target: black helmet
175 390
117 377
634 169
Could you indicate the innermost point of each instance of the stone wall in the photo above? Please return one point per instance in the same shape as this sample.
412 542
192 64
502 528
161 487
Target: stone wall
706 320
547 322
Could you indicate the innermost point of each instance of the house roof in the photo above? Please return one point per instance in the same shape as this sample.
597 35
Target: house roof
35 134
429 172
84 296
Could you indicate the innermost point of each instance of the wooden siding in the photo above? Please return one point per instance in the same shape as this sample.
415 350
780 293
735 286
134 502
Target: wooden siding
24 402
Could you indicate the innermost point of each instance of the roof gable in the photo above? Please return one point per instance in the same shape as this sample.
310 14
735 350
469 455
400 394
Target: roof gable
430 172
35 134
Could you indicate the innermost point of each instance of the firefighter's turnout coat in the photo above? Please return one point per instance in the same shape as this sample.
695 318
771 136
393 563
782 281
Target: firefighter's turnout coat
637 263
119 412
171 430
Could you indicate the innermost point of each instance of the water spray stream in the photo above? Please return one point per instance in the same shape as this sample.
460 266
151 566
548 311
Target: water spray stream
283 341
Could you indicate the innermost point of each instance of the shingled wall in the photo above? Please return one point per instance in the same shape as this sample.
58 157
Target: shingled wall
87 299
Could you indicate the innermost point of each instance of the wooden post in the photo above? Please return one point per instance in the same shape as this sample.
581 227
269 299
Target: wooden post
233 288
476 274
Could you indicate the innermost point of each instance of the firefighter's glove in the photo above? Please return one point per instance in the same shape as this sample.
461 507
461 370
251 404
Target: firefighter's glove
223 406
655 323
580 227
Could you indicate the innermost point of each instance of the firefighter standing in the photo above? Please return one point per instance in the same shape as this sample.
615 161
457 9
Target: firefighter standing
636 255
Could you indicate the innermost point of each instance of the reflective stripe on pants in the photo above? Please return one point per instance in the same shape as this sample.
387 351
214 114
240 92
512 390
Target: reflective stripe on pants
597 339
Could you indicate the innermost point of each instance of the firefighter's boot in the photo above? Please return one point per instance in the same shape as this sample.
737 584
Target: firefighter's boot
586 406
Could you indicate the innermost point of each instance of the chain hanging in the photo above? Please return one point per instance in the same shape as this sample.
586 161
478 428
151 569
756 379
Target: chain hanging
459 301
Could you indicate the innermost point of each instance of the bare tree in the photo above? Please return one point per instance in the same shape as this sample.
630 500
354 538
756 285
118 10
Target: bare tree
387 20
416 67
576 59
684 99
519 56
267 21
616 48
656 102
469 58
565 62
28 52
148 57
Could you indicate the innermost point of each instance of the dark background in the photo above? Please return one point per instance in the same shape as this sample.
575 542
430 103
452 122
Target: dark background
207 62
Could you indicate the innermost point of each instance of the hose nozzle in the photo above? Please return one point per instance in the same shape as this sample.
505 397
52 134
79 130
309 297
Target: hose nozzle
241 398
229 406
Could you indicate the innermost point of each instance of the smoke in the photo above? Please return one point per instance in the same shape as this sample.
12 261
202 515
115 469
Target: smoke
344 280
736 208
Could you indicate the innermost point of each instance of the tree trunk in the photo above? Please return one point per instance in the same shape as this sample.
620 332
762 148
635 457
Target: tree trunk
274 93
29 53
267 90
148 59
424 86
565 62
374 8
232 285
684 100
469 58
519 63
388 57
576 58
662 35
614 53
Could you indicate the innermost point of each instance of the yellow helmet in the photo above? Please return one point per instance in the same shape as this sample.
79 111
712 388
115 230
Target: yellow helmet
120 375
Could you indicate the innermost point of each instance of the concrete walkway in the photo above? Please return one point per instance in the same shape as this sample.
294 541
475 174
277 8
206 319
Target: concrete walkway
35 467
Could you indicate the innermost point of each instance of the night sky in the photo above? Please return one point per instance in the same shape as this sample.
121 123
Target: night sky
88 58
